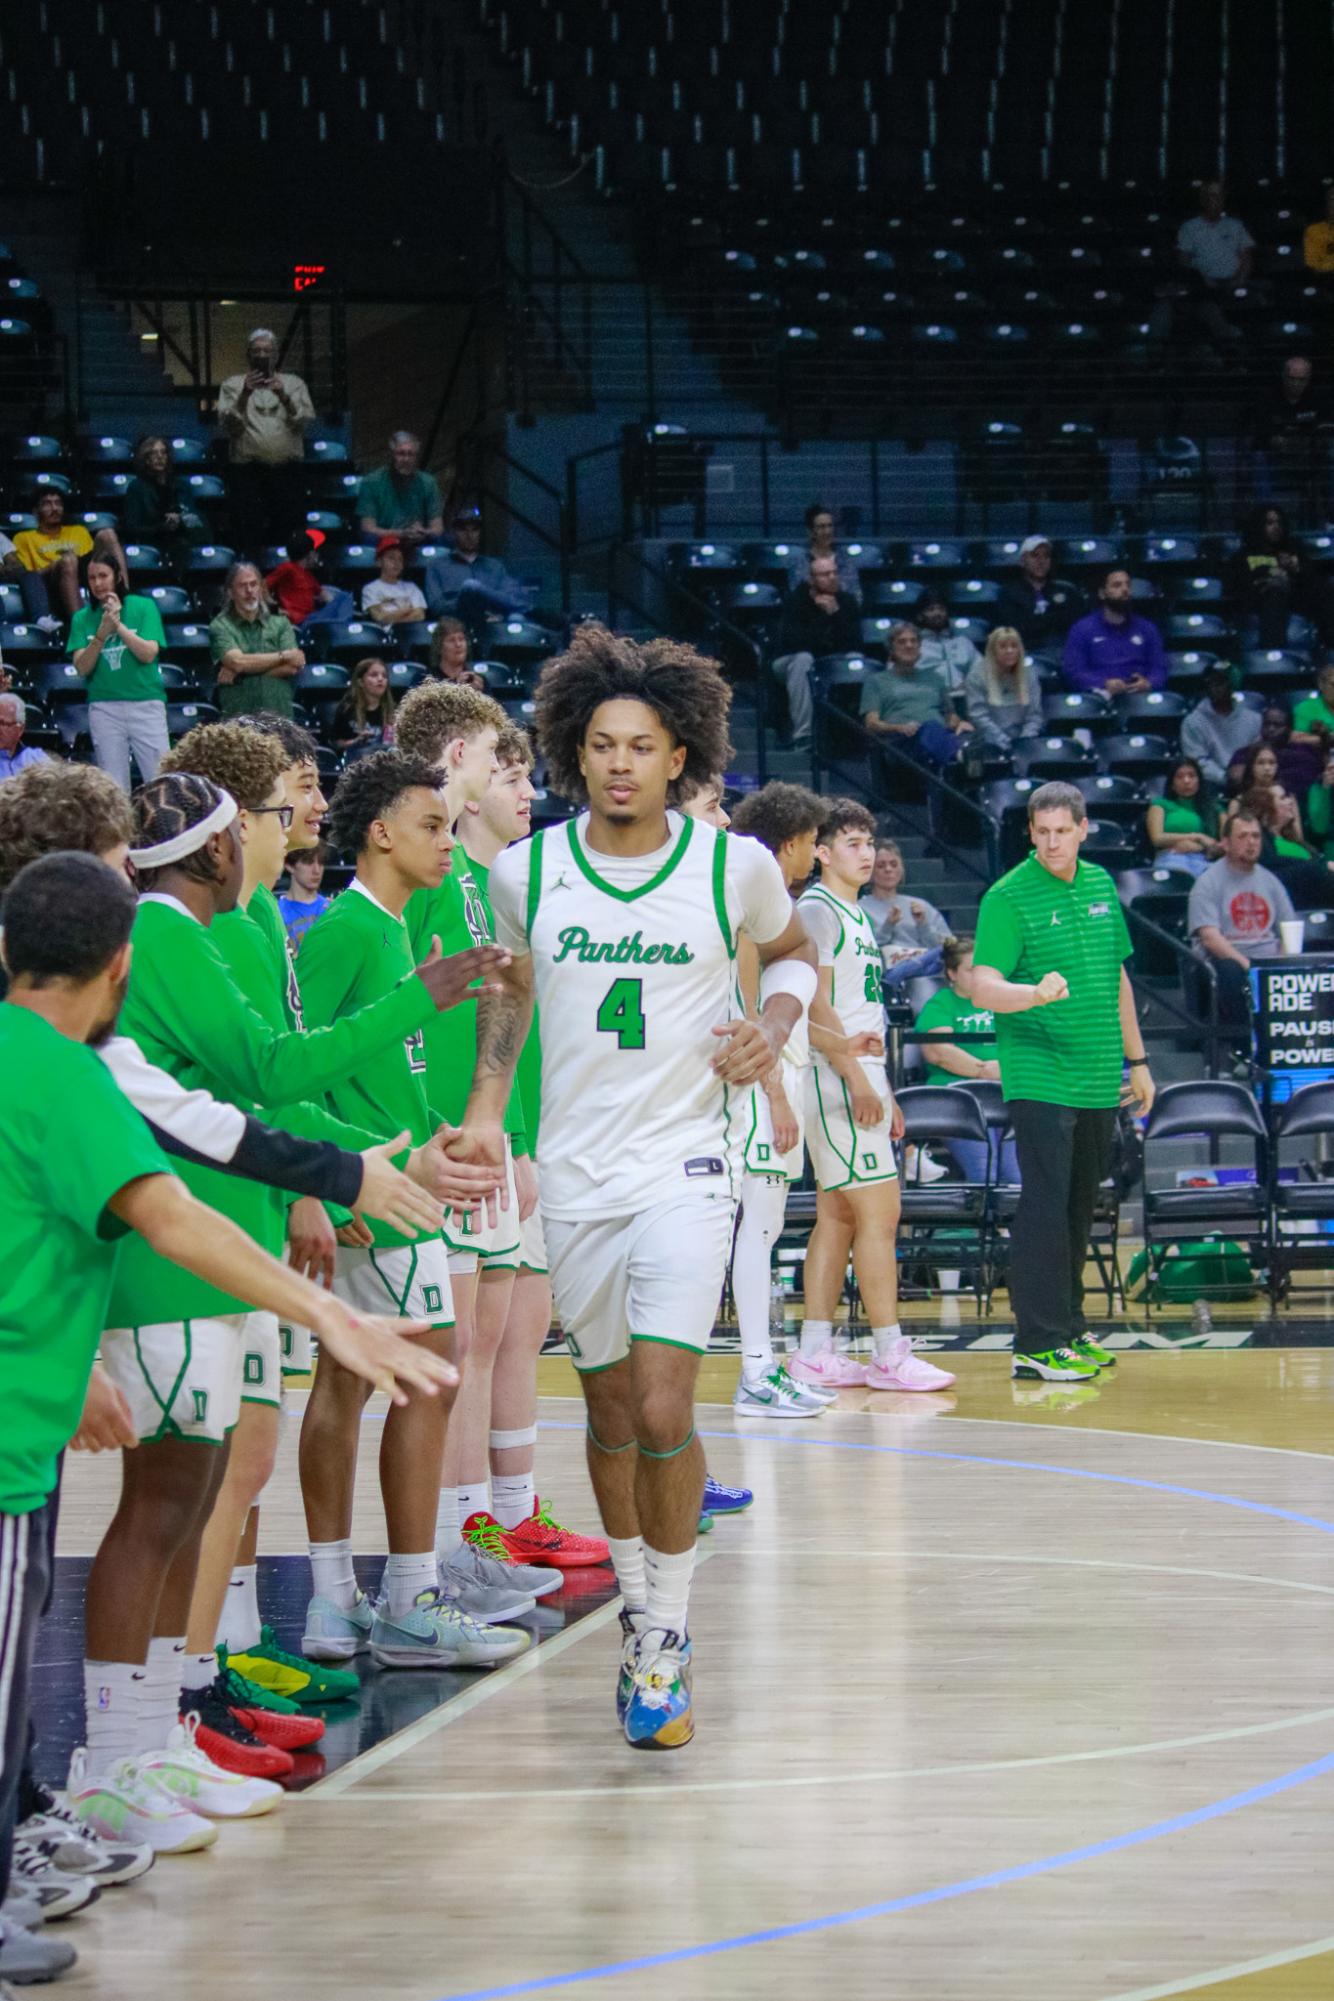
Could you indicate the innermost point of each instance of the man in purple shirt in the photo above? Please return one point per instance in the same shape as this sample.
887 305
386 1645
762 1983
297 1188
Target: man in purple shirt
1113 651
15 755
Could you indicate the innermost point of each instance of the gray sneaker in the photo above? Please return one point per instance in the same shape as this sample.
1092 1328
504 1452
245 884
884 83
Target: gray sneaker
472 1565
433 1634
490 1602
29 1956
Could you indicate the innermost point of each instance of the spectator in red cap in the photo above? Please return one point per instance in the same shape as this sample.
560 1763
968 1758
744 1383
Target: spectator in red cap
297 591
391 599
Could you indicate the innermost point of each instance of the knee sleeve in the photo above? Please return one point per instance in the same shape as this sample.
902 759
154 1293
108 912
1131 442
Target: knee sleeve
506 1441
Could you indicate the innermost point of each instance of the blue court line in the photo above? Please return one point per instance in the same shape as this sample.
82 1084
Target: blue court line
945 1893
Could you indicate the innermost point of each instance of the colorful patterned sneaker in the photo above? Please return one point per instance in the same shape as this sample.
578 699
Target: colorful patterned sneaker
186 1774
292 1675
1088 1350
335 1634
485 1539
775 1395
1055 1365
540 1539
77 1848
275 1721
827 1369
58 1893
900 1369
658 1715
625 1677
720 1500
434 1635
225 1740
122 1806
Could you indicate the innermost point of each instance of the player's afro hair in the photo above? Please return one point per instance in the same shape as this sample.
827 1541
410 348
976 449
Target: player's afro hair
299 746
243 762
59 807
777 813
369 789
685 690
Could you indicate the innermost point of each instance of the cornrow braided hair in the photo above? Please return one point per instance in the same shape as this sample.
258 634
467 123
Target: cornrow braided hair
165 807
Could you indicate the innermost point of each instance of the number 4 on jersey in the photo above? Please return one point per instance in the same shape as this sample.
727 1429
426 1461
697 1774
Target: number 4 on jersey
622 1013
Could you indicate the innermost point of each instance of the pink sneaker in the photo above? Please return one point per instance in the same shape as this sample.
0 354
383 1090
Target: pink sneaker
900 1369
828 1370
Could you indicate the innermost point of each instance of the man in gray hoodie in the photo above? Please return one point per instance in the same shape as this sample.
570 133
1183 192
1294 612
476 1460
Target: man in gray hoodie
1219 726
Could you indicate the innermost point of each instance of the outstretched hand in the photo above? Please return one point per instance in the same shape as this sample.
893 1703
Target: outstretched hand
462 976
748 1053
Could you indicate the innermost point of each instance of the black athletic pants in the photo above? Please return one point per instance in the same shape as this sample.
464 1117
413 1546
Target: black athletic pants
1064 1154
25 1579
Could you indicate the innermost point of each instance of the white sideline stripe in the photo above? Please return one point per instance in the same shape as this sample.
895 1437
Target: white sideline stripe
1196 1981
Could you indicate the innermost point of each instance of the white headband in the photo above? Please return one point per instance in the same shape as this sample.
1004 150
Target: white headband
189 840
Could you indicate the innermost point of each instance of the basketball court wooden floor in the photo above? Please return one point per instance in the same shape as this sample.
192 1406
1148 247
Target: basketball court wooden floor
1006 1694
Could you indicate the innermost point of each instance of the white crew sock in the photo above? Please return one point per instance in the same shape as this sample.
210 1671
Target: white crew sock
239 1623
474 1499
111 1711
668 1579
447 1524
159 1705
627 1559
332 1575
404 1577
763 1203
198 1670
885 1338
816 1335
512 1498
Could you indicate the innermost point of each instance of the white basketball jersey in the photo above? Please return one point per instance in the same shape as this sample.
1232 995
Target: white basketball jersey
858 992
630 982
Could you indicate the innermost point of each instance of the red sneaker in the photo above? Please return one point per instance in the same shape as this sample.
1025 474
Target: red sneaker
539 1539
230 1743
283 1733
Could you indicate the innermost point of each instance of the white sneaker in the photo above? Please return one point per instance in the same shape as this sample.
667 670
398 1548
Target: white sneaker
122 1806
899 1369
190 1778
72 1845
774 1395
58 1893
434 1634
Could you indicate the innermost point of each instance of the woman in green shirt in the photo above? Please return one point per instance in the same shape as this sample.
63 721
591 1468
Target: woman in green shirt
1183 824
114 641
953 1011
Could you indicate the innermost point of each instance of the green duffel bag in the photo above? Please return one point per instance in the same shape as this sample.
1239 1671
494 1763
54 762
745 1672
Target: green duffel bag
1208 1268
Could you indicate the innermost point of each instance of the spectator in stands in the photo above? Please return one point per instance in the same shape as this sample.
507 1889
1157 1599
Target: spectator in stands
390 599
820 533
909 930
818 618
114 642
254 648
155 509
36 604
400 499
1291 435
1320 807
1318 240
953 1011
952 654
1297 758
1313 717
469 584
296 589
1183 825
1284 849
451 654
1040 607
364 719
1269 581
913 704
301 902
1003 692
1114 651
1220 727
52 552
1214 253
264 416
1234 913
15 755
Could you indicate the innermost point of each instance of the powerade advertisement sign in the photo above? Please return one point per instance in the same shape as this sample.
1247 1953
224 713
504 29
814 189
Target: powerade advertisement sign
1294 1021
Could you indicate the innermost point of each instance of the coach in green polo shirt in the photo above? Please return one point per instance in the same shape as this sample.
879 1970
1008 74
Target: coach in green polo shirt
1050 964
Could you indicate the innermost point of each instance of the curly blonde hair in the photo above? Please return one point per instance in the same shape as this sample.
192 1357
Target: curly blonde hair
50 807
239 760
438 713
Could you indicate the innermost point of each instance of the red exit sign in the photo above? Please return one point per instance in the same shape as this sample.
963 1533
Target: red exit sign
305 277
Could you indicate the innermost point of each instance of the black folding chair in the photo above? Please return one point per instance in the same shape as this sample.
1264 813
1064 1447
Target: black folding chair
1215 1109
1308 1200
946 1224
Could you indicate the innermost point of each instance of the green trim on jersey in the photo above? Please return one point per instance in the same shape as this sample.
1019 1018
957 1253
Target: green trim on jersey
720 890
534 883
834 1148
645 888
168 1425
839 909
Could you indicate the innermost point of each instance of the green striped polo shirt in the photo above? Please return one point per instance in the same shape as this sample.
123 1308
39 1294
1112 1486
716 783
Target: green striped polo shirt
1031 923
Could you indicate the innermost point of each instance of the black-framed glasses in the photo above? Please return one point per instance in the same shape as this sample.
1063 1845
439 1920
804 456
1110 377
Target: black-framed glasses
286 814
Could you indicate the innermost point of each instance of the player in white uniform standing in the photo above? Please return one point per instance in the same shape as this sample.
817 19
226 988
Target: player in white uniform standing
625 923
851 1124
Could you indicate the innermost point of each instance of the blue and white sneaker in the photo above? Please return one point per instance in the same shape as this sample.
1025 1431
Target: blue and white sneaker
435 1634
776 1395
658 1713
719 1500
332 1634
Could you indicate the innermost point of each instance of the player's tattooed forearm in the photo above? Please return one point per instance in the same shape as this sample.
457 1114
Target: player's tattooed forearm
500 1033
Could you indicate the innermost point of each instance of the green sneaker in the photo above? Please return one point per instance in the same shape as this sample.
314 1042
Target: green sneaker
705 1525
303 1682
1055 1365
1088 1350
249 1694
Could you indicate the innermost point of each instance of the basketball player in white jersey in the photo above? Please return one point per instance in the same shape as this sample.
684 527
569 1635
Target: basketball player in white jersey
851 1124
625 923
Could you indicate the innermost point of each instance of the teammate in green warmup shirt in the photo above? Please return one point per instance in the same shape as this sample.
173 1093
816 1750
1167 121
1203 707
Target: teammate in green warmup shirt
1049 963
